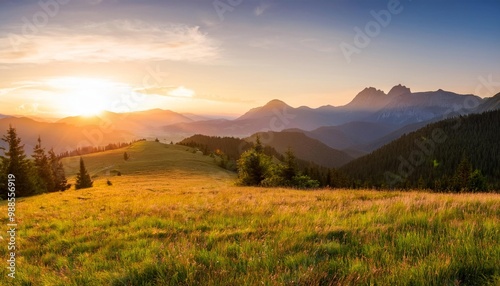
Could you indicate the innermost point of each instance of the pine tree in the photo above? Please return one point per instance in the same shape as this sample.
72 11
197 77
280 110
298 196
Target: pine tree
258 145
83 178
60 181
125 156
462 175
477 182
289 170
16 163
253 166
43 167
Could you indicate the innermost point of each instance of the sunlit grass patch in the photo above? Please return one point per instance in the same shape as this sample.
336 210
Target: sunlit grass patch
182 228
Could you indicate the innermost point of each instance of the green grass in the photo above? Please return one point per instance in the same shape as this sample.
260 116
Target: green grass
174 218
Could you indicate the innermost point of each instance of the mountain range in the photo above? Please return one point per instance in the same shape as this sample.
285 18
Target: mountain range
371 120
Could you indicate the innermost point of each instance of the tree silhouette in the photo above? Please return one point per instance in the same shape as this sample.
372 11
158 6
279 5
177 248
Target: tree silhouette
462 175
83 178
290 167
43 167
16 163
477 182
253 166
60 181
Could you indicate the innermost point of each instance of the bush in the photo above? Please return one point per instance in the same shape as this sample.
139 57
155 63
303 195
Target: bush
477 182
257 169
253 168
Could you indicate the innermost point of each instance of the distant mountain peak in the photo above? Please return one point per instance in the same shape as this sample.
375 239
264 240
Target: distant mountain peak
369 92
267 110
370 89
275 103
368 99
398 90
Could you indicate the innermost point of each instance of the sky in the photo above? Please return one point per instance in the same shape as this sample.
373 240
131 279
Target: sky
70 57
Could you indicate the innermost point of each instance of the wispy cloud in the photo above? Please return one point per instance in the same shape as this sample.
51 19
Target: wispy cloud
26 85
216 98
259 10
182 92
155 90
174 91
119 40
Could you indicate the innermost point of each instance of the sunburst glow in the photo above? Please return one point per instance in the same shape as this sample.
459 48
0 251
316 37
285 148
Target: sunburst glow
83 96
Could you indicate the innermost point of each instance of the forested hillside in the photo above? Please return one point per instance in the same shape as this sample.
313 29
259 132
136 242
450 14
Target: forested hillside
457 154
227 150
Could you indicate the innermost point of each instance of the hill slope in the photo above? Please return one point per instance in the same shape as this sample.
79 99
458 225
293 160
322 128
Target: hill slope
433 153
146 158
354 134
303 147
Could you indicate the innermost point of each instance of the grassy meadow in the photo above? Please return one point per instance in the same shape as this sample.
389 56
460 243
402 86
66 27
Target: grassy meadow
174 218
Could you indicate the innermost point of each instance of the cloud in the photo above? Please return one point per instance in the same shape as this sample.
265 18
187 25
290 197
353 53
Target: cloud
155 90
182 92
119 40
259 10
26 85
94 2
216 98
174 91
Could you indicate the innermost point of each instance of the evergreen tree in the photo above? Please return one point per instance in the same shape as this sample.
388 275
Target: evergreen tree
83 178
254 165
60 181
16 163
253 168
289 170
258 145
477 182
43 167
125 156
462 175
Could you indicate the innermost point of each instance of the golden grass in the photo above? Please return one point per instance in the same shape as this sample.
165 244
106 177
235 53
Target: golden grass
174 218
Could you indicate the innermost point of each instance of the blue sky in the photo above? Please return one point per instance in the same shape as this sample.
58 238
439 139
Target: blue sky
227 56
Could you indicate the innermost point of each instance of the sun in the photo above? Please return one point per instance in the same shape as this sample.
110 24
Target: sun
82 96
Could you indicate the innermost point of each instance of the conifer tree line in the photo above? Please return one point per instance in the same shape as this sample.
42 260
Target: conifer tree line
93 149
44 173
459 154
255 168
